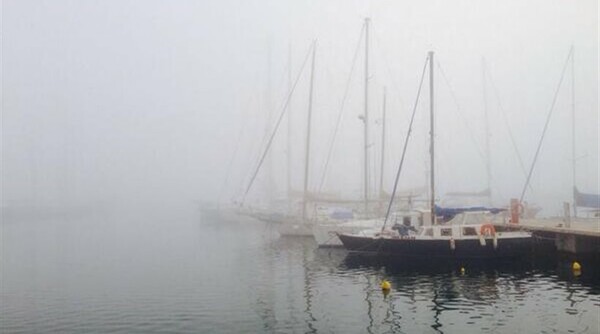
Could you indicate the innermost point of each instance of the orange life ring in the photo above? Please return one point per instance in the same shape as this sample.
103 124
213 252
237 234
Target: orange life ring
521 210
487 229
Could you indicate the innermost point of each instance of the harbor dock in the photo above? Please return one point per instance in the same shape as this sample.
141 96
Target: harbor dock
572 235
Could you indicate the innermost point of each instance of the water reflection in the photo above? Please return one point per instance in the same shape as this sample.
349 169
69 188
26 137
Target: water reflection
368 296
286 287
308 289
475 295
489 296
187 276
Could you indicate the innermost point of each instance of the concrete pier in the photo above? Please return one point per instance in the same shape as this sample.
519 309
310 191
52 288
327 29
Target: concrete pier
572 235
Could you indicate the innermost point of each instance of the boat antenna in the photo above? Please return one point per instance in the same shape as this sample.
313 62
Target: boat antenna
282 113
412 118
537 152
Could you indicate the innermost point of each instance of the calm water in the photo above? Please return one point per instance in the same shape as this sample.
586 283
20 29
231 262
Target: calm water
165 274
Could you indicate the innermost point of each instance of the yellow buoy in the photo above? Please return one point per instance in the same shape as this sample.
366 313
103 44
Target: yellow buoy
462 270
386 285
576 266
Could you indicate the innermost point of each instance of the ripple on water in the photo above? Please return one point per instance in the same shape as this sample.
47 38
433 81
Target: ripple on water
240 278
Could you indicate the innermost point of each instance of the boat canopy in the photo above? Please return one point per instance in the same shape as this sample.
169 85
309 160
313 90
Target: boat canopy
449 213
586 200
341 214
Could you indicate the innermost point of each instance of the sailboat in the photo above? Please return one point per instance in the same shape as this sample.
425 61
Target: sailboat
454 240
325 229
293 225
588 201
282 218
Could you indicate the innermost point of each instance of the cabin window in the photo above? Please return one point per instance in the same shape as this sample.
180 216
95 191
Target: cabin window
406 221
469 231
446 232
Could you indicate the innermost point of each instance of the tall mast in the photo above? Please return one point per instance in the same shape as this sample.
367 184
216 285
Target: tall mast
382 145
431 137
289 130
270 183
366 120
488 158
573 127
548 117
307 157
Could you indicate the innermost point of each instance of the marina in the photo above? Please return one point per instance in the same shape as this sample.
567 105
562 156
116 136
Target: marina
300 167
414 232
569 235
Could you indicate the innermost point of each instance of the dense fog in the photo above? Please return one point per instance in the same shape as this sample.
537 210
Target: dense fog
164 104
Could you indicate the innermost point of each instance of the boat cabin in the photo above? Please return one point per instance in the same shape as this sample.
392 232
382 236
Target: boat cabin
473 217
414 218
450 231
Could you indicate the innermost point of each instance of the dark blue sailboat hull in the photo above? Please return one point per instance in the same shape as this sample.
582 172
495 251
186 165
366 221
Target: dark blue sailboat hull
440 249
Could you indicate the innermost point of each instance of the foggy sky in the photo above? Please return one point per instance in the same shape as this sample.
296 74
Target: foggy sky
146 101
